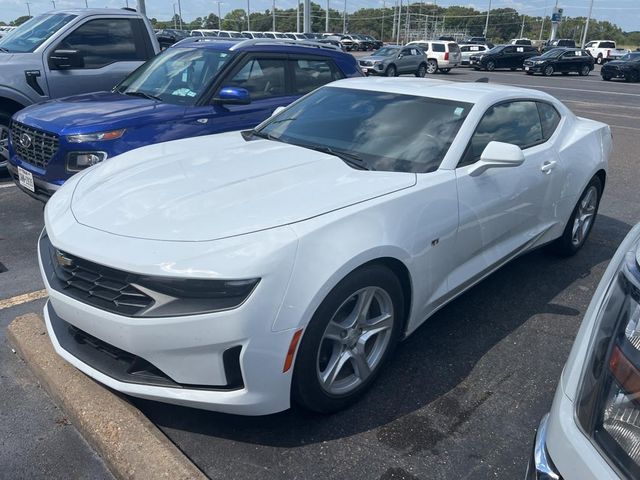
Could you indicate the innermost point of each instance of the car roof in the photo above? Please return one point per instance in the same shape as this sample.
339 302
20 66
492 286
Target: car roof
309 47
93 11
469 92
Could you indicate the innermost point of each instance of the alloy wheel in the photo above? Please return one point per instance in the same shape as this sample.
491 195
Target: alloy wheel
491 66
585 71
391 71
584 216
4 145
432 67
355 341
548 70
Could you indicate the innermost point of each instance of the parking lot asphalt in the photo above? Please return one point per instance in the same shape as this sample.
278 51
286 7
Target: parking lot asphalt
461 398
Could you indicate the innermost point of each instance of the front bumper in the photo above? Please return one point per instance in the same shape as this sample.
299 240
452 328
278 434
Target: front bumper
533 68
43 189
612 72
372 70
540 465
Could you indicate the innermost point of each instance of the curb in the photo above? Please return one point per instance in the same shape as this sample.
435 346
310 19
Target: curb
131 446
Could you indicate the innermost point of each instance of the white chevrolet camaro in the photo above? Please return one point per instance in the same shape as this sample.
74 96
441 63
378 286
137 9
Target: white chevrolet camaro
240 272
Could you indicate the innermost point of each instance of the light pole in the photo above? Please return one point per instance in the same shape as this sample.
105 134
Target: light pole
273 16
544 18
344 18
384 6
297 16
220 18
28 9
175 26
180 14
586 26
326 19
248 14
399 20
522 27
486 23
306 17
86 3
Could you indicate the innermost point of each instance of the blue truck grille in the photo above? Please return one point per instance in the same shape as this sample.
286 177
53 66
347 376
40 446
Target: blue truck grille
33 146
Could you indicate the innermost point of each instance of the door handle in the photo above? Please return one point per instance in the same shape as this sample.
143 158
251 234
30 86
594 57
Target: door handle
548 166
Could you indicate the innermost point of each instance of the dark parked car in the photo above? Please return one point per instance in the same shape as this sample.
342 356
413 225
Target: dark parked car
563 60
376 43
561 42
628 67
169 36
503 56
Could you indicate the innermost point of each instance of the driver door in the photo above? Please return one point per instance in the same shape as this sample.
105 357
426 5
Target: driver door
502 211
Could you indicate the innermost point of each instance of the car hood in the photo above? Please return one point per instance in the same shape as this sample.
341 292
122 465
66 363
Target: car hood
538 58
373 58
96 112
218 186
615 63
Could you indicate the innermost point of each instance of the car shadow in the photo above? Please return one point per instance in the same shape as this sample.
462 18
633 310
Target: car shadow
430 363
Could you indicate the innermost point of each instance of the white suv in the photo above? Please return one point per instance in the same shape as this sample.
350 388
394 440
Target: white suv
442 56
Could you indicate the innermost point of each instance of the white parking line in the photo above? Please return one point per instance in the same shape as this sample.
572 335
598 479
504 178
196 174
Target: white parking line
576 90
20 299
7 185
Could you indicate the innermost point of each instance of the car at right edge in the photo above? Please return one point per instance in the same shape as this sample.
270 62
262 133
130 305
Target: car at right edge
593 429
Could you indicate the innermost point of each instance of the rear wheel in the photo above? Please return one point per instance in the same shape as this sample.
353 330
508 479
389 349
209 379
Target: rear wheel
581 221
432 66
349 338
491 66
391 71
548 70
422 70
584 71
599 59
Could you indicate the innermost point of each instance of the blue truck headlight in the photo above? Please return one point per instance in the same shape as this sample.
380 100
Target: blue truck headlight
95 137
77 161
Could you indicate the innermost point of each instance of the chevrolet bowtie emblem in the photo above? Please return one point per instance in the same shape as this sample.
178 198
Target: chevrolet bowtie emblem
63 261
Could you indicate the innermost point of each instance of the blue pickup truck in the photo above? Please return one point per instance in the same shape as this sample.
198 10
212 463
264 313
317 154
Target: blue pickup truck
199 86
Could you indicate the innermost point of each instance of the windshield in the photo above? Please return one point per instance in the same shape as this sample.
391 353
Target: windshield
497 49
384 131
385 52
178 75
631 57
31 34
556 52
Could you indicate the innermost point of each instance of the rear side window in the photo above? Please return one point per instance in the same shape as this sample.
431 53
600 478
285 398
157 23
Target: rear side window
453 47
104 41
549 118
513 122
311 74
438 47
262 77
607 45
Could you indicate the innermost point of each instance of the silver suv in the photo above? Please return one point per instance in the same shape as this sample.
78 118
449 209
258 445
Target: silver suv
393 60
68 52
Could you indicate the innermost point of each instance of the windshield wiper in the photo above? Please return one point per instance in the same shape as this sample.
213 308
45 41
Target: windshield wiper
138 93
267 136
349 158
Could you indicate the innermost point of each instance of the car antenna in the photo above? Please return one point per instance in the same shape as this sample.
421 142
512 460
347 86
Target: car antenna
482 80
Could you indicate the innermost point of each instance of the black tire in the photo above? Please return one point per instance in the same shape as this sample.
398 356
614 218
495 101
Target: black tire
513 69
565 246
306 389
432 66
584 71
606 78
490 66
565 73
529 73
445 70
422 70
548 70
391 71
599 59
5 120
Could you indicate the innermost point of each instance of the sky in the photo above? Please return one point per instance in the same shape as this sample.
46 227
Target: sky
625 13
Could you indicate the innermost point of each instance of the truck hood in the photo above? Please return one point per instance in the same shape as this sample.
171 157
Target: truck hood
218 186
96 112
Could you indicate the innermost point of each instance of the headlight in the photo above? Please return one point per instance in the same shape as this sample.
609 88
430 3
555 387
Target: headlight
608 408
95 137
77 161
538 62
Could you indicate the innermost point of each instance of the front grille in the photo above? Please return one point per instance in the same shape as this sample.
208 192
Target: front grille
91 283
33 146
366 63
528 63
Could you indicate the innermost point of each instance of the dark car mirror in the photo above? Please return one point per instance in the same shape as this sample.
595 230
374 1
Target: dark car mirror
66 59
400 55
233 96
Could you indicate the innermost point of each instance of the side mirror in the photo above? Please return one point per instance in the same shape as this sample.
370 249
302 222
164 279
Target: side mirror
400 55
497 155
278 110
233 96
66 59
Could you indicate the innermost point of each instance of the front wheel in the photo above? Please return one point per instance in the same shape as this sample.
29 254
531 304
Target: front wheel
422 70
491 66
581 222
349 338
5 119
584 71
606 78
391 71
600 60
548 70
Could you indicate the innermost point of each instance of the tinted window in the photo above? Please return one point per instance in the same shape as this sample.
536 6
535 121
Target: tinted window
438 47
514 122
509 50
453 47
31 34
607 45
388 131
104 41
550 118
262 77
311 74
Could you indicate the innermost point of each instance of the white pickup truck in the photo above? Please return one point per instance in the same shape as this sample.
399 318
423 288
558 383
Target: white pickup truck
604 50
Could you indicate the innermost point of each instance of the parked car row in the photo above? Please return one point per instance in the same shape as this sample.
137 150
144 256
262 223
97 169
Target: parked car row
419 57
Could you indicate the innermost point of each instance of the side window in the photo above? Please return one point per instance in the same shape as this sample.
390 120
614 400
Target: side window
438 47
104 41
513 122
262 77
549 118
509 50
311 74
406 51
568 54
